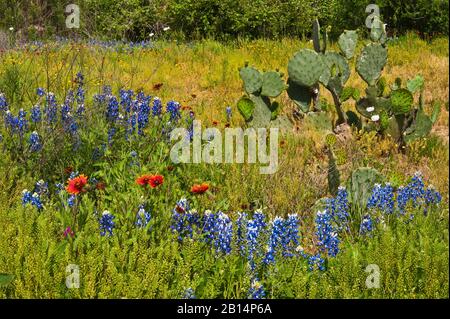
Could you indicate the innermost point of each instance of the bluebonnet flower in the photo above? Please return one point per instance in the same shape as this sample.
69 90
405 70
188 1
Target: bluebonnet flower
366 225
69 98
338 207
224 233
80 95
133 154
35 142
106 223
228 111
316 262
157 106
40 92
142 116
79 78
173 108
111 133
189 294
26 197
35 114
253 232
328 240
208 226
184 219
290 239
65 112
256 290
3 103
432 196
41 187
241 232
382 198
125 99
275 239
36 201
59 188
259 218
71 200
22 122
142 217
414 192
112 110
51 109
11 121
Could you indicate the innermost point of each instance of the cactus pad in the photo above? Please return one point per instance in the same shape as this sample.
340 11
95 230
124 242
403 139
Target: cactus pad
306 67
246 107
272 84
421 127
252 78
301 95
340 65
415 84
371 62
347 43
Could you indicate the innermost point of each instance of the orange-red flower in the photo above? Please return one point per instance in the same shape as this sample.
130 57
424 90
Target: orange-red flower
76 185
152 180
199 188
156 180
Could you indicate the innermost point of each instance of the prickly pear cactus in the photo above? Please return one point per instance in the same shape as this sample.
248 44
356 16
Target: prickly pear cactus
272 84
256 107
306 67
371 62
361 183
347 43
301 95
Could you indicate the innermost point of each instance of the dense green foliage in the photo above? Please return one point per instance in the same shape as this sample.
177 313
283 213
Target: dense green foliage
222 19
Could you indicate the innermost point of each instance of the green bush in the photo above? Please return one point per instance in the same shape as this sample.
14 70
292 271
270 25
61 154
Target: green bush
221 19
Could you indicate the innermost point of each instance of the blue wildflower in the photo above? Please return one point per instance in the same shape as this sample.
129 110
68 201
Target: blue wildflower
316 262
328 240
40 92
36 114
142 217
106 223
35 142
382 198
173 108
224 232
26 197
256 290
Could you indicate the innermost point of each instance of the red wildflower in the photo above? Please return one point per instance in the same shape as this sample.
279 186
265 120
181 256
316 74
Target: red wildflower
75 185
152 180
156 180
69 232
215 123
143 180
199 189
